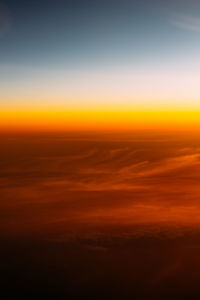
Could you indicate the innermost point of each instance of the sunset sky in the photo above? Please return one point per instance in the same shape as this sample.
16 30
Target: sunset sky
85 64
100 149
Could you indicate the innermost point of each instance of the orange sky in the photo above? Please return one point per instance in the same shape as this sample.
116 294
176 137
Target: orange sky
59 120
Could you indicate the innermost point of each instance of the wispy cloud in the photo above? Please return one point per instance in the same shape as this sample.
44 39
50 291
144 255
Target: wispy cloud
187 22
172 164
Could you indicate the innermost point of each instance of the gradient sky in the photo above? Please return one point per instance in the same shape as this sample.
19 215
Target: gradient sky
99 55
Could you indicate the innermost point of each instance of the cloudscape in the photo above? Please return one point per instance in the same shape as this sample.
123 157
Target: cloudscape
100 149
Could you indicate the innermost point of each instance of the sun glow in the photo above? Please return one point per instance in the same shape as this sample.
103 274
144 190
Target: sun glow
98 120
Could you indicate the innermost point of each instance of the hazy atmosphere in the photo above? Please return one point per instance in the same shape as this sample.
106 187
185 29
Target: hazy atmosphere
100 149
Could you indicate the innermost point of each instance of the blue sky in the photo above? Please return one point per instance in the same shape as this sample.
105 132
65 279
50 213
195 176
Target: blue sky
64 45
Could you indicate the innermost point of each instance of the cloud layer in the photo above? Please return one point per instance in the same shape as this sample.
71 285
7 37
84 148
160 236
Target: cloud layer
46 182
187 22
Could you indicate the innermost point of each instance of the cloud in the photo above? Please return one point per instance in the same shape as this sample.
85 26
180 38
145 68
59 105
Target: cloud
187 22
172 164
122 174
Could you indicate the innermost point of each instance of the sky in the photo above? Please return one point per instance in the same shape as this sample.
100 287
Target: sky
99 56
